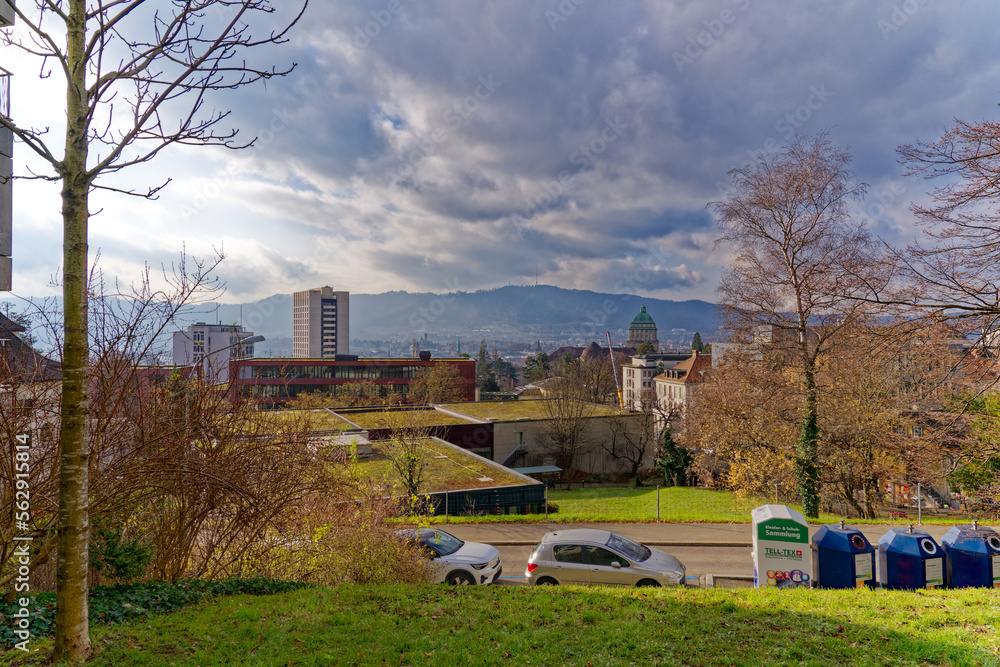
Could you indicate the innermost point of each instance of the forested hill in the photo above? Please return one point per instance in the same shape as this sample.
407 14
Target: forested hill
514 312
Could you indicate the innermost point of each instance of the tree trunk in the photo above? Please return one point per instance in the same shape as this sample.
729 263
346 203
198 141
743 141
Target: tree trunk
807 464
72 640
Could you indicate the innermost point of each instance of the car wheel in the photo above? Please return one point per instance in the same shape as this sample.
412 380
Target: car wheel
459 578
546 581
648 582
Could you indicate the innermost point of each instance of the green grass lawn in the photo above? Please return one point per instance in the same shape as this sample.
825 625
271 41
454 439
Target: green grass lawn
677 505
437 625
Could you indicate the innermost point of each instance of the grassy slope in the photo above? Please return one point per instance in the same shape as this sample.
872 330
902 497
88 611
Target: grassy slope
437 625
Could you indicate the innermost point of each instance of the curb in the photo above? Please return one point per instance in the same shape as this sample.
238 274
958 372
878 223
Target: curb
652 543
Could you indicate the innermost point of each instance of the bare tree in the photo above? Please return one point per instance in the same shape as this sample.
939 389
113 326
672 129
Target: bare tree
568 422
632 441
956 273
598 377
127 66
798 260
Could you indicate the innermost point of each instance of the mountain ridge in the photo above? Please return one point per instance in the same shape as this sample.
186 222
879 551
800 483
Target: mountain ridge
504 311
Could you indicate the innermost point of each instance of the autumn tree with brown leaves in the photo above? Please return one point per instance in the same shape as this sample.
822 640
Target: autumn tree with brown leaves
797 261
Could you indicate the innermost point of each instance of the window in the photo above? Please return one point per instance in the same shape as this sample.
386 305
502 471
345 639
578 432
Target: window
629 547
568 553
604 557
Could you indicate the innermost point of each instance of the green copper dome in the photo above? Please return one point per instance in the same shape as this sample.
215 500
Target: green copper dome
643 319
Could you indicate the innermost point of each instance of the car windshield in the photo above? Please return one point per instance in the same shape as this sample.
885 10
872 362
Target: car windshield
440 541
625 546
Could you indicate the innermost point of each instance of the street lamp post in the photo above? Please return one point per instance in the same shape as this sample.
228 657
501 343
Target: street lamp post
233 381
207 359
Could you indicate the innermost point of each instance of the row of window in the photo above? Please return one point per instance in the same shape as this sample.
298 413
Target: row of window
334 372
293 390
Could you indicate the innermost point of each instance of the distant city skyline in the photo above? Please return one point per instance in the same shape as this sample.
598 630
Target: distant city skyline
440 146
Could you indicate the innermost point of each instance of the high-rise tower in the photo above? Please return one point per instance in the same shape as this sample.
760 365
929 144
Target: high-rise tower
320 323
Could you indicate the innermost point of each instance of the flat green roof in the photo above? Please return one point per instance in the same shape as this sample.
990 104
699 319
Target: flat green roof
448 468
514 410
402 418
319 420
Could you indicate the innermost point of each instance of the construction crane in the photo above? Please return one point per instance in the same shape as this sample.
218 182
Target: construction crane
614 369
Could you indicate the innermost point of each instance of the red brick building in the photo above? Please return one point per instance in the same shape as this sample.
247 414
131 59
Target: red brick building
278 380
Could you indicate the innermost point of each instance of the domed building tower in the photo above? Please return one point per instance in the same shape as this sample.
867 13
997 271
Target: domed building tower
643 330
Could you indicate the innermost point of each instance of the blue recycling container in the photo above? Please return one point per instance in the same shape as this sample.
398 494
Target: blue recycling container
972 556
910 559
842 558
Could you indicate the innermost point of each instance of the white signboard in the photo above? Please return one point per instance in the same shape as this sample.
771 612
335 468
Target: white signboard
934 572
864 568
781 554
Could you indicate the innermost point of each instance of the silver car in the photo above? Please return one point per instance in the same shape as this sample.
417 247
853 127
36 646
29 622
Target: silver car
454 561
591 556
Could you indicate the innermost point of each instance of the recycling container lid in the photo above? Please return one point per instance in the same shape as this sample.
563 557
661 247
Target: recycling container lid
972 539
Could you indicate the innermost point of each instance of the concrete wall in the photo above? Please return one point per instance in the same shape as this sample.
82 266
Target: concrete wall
532 432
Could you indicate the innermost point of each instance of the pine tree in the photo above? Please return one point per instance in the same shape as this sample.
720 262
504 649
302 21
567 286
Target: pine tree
674 460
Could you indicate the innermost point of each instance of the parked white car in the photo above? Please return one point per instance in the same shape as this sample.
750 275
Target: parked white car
454 561
591 556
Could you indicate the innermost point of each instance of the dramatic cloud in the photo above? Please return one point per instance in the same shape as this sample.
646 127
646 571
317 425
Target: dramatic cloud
438 144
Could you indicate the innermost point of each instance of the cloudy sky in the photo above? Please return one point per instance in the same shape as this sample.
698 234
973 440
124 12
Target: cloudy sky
434 145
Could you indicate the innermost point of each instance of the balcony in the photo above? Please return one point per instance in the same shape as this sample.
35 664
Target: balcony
6 13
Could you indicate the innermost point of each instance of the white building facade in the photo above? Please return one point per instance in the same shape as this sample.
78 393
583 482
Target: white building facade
320 323
212 346
638 388
676 385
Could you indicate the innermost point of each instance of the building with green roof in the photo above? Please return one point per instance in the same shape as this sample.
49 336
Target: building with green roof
643 330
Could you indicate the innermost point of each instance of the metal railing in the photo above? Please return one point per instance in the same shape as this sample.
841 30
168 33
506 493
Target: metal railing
519 451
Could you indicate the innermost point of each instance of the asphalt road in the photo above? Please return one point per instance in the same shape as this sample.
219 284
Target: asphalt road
704 548
717 549
699 561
